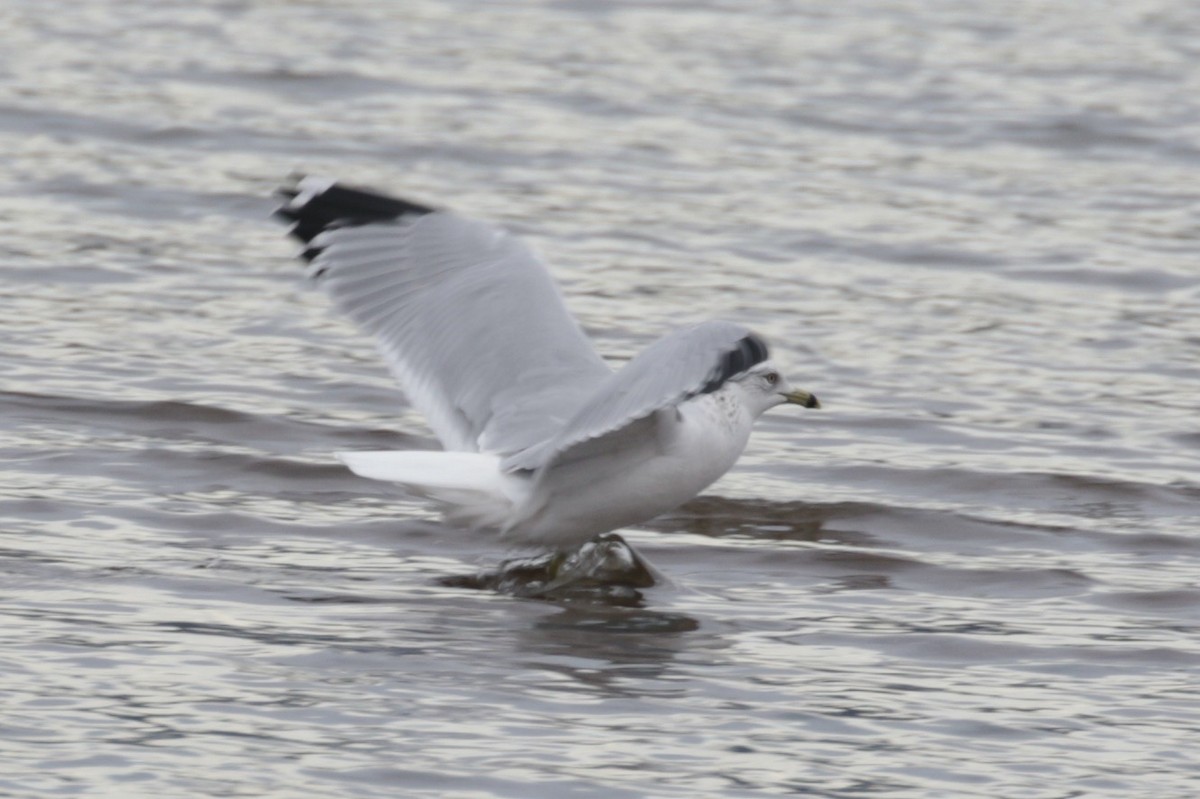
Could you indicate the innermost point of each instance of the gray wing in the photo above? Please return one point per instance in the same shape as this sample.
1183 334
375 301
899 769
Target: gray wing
466 315
679 366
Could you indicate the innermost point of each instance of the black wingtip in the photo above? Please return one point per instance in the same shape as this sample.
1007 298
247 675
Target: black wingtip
312 205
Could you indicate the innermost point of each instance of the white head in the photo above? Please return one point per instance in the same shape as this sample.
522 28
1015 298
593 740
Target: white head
764 387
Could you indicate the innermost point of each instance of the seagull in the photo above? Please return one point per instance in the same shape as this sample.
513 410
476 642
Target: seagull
543 441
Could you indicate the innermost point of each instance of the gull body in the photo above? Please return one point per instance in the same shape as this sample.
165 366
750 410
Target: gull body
656 465
544 442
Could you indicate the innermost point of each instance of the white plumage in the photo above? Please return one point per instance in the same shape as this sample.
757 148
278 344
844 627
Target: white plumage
544 441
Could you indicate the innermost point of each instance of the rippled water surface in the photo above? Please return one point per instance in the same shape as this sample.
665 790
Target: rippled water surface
971 229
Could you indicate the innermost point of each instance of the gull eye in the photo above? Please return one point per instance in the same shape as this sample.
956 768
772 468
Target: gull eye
772 378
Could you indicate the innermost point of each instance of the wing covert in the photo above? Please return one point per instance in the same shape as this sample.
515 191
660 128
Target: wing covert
681 365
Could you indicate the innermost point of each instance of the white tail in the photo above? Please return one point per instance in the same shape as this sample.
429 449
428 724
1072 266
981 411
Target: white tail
470 485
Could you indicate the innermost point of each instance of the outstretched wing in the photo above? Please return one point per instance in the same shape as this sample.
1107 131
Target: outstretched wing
679 366
465 314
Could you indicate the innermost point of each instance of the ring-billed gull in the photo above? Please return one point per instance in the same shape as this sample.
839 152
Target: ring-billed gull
543 440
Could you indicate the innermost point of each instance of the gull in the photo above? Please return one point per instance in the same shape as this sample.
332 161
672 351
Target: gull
543 441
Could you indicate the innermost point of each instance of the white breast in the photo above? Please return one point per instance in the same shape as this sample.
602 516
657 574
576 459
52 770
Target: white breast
658 465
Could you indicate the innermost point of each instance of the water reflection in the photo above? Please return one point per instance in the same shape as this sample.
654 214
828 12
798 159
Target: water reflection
616 650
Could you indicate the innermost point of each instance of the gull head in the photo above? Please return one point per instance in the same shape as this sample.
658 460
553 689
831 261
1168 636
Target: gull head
764 387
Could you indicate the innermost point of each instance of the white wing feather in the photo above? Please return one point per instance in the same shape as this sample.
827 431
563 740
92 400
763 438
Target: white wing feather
678 366
468 321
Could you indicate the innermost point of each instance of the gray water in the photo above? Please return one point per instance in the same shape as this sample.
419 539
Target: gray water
971 229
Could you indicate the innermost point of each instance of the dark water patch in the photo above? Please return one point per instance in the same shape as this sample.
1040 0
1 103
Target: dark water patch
1014 648
144 202
591 620
929 255
854 582
615 652
99 410
1078 132
1154 543
241 470
1103 659
336 599
173 472
851 524
99 126
1154 281
191 422
296 86
720 517
68 274
1099 503
32 121
1013 583
789 245
856 563
1091 136
17 560
279 637
1173 602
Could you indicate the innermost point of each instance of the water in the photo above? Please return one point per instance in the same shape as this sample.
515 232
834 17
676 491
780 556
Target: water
971 230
